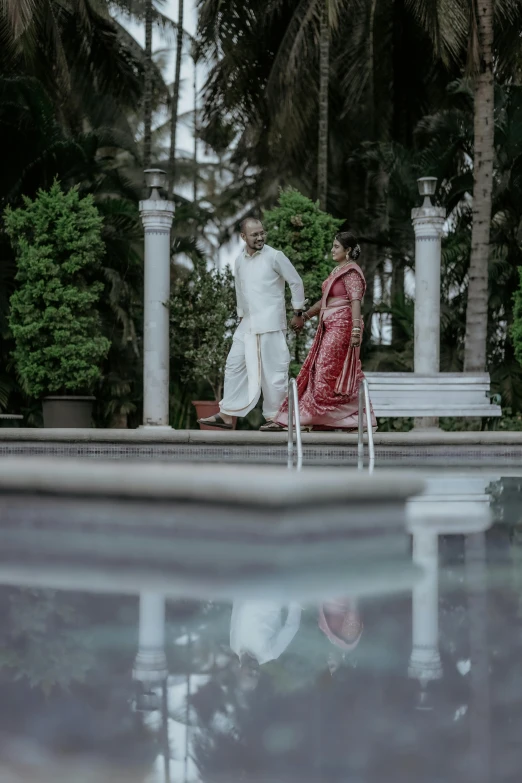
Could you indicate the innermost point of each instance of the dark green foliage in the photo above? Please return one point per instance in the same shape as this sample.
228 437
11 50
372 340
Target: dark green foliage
54 317
38 642
203 319
517 320
305 234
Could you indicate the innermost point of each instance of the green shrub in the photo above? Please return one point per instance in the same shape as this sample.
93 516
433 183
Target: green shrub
516 330
203 319
305 234
53 313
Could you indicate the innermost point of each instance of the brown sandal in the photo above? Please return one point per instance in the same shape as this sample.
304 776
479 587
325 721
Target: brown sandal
215 421
273 426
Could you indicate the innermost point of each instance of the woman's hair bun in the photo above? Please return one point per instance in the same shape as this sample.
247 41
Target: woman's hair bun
348 241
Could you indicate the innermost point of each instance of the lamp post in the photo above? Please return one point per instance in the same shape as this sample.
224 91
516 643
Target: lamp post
156 214
428 223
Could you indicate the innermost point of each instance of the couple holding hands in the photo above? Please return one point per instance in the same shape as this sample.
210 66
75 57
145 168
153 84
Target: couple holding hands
328 383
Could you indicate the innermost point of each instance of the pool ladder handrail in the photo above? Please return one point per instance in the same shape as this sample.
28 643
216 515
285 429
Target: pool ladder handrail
364 404
293 411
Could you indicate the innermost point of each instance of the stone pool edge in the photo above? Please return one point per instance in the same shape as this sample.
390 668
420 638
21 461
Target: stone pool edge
255 438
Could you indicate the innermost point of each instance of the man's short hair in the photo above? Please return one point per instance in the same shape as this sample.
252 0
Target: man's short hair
244 223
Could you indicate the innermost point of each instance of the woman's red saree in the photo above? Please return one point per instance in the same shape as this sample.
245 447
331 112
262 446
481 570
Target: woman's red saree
329 380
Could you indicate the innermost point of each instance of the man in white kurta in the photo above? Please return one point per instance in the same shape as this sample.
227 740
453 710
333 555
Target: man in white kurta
259 358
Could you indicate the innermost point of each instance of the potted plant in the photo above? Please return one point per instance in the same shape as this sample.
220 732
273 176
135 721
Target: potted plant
59 345
203 319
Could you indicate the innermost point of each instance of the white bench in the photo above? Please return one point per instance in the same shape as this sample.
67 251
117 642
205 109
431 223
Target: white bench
10 416
408 394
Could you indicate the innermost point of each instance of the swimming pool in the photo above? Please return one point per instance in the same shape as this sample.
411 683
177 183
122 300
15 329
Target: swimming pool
420 680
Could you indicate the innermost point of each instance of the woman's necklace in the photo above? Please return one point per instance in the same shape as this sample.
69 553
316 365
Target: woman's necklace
340 266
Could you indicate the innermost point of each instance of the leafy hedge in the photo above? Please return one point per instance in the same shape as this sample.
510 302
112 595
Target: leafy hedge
203 318
54 317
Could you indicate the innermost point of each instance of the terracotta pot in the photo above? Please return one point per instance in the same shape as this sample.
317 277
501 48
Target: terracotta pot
67 412
206 408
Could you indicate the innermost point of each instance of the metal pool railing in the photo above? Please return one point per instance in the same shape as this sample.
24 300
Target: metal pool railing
294 423
364 405
293 411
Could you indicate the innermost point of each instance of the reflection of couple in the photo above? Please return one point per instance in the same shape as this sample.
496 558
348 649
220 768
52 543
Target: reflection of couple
261 631
258 361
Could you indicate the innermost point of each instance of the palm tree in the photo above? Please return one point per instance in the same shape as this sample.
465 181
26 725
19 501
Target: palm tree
175 94
324 84
471 31
147 90
477 310
73 120
195 124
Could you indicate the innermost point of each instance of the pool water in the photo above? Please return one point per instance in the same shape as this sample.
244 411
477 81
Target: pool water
418 685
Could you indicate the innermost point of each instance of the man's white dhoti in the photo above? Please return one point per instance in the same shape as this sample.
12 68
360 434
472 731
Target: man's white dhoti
257 364
259 358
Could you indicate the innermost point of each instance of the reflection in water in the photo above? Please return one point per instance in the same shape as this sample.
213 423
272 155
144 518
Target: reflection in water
475 554
107 688
340 621
259 633
425 664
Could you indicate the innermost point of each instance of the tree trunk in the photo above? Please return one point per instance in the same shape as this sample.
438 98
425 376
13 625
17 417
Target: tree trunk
479 643
147 91
196 129
477 309
371 71
324 72
175 96
371 254
397 298
402 125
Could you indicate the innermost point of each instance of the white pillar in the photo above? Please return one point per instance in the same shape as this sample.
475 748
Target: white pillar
150 666
428 222
425 664
157 215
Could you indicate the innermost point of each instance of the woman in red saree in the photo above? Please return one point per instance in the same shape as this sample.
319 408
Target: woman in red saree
329 380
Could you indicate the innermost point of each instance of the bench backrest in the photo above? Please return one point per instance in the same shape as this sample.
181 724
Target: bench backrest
446 394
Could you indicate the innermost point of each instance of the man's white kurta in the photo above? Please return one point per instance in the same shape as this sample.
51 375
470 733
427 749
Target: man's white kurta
260 628
258 361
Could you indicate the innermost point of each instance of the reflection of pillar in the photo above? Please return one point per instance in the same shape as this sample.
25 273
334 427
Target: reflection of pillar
150 666
479 715
425 664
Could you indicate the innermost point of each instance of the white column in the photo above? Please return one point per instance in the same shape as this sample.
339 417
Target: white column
150 666
428 222
425 664
157 215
